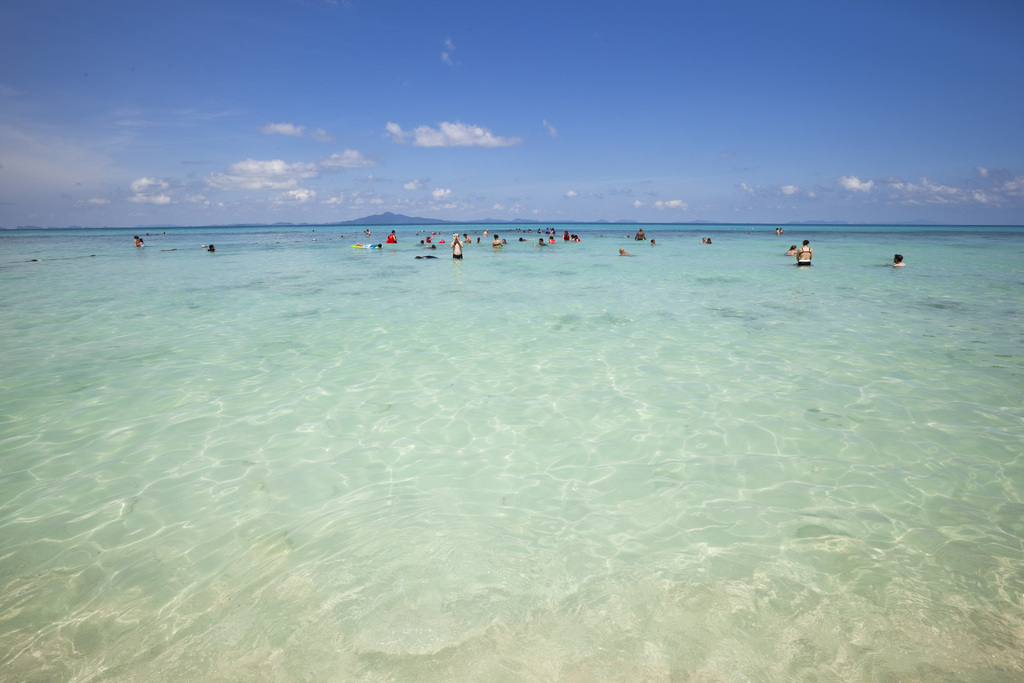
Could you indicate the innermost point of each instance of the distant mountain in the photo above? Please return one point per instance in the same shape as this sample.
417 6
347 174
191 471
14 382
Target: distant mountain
388 218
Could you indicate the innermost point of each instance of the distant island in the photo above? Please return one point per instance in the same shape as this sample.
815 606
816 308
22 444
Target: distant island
388 218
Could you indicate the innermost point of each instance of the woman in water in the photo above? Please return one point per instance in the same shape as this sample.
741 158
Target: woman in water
804 254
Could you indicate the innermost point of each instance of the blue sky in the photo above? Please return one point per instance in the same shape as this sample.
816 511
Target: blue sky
220 111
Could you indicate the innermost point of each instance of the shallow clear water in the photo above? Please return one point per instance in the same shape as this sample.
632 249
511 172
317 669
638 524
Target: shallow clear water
293 460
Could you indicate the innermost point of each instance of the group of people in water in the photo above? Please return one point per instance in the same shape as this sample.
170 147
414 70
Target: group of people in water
804 254
459 242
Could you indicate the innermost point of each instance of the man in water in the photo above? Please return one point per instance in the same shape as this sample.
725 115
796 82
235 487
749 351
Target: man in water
897 261
804 254
623 252
456 247
640 235
139 242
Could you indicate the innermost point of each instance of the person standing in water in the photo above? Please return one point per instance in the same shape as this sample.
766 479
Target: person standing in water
456 247
804 254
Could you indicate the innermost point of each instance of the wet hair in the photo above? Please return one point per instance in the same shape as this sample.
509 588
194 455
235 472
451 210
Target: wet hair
898 258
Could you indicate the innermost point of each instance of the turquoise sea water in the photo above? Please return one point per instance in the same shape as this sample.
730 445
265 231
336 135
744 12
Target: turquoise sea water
291 460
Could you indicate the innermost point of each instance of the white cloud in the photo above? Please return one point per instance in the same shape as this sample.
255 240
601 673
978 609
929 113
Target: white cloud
276 174
571 193
638 204
414 184
497 207
321 135
299 196
1001 189
148 184
395 131
149 191
262 175
672 204
789 189
361 199
446 54
289 129
855 184
151 199
929 192
350 158
292 130
1014 187
450 135
441 193
552 131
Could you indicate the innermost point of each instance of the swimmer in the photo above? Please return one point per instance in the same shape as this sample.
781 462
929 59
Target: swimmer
652 241
623 252
496 242
792 250
211 248
456 247
897 261
139 242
